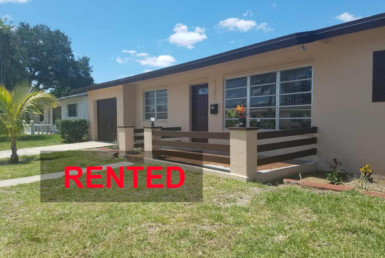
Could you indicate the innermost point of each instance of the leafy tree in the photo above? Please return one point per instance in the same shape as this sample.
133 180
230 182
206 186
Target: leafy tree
12 70
15 105
44 58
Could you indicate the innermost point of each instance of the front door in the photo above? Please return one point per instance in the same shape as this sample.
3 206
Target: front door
107 120
199 108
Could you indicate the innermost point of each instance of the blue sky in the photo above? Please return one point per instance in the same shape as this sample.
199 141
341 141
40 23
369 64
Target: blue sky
124 38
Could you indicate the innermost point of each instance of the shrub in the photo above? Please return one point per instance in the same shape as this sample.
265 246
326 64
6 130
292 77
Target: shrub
335 175
73 130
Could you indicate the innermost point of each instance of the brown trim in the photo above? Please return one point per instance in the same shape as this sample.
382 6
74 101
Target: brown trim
286 144
284 133
126 126
176 128
194 156
285 157
202 135
152 127
139 130
225 148
137 145
139 138
243 128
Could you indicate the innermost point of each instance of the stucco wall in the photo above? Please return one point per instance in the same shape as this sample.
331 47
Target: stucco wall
351 127
82 108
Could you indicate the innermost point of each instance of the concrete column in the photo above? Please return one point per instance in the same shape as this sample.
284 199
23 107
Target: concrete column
126 138
32 127
149 148
243 151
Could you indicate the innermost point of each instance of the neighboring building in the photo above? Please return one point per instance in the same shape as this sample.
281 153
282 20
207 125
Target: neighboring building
69 107
331 78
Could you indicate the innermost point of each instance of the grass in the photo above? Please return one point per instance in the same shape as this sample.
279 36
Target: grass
235 219
29 141
53 162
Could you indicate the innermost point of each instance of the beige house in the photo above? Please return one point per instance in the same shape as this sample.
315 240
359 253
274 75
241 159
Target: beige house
332 78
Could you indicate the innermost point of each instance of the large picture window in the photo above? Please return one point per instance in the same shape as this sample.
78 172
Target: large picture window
155 104
275 100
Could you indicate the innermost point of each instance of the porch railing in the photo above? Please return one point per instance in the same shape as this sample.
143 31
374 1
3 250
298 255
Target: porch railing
43 129
242 148
310 140
190 149
139 138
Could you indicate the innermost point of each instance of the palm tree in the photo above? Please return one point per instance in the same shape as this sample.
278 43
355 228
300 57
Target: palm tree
14 107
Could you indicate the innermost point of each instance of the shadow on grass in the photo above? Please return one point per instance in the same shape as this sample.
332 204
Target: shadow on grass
35 137
22 161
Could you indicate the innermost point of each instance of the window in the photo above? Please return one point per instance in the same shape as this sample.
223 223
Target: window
378 76
155 104
72 110
275 100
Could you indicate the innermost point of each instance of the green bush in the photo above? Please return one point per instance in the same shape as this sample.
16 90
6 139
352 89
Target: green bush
73 130
335 176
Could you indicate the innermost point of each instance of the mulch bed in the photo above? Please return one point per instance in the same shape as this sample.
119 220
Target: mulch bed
326 186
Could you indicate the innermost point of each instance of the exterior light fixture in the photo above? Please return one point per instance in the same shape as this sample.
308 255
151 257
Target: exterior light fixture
152 121
303 47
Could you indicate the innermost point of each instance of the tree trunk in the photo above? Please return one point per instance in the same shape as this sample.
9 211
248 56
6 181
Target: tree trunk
14 156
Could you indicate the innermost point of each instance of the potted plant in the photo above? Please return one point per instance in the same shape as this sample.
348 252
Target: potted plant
241 110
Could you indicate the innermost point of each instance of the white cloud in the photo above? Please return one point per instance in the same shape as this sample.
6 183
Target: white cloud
264 27
248 13
122 60
184 38
125 51
147 70
157 61
145 59
141 54
14 1
243 25
347 17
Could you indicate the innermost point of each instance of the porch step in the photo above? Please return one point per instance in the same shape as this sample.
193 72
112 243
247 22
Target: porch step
277 174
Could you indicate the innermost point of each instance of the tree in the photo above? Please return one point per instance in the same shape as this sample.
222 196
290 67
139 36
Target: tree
15 105
12 70
44 58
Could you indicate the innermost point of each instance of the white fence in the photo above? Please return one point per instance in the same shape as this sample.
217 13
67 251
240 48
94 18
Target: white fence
43 128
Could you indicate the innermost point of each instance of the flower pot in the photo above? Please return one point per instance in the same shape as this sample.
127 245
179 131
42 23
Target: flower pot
242 122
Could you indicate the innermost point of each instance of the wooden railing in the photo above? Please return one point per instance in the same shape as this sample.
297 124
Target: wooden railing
183 145
286 144
138 135
201 151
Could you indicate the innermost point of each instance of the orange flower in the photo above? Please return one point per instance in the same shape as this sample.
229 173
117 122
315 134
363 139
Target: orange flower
241 110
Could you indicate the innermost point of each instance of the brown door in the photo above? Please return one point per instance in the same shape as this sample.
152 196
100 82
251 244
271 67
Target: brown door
199 108
107 121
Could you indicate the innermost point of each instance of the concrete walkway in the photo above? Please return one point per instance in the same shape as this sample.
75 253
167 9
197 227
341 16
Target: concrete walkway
31 179
60 147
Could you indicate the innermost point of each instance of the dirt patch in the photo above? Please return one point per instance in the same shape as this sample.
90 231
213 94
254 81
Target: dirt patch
238 198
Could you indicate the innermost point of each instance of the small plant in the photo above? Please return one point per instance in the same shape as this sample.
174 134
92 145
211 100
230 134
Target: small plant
366 173
335 175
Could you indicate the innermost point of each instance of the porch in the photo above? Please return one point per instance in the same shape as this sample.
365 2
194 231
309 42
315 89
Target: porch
242 153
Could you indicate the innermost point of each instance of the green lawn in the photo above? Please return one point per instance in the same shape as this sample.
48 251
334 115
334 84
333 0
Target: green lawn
235 219
29 141
53 162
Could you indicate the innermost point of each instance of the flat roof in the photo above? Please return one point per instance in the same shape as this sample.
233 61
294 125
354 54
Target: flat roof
299 38
74 96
